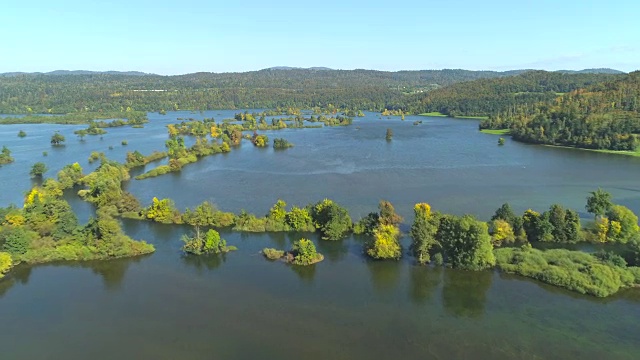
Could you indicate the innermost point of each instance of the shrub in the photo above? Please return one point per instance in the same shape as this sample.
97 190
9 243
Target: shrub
5 263
272 254
384 244
600 275
304 253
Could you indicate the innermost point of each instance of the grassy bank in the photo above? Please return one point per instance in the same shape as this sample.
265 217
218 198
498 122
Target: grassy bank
439 114
635 153
496 132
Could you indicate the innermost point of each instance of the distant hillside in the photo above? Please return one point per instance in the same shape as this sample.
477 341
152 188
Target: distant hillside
98 91
605 115
593 71
72 91
297 68
485 97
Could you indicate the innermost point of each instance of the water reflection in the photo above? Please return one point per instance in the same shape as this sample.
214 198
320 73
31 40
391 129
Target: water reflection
424 281
305 273
385 275
203 263
333 251
111 271
18 275
464 293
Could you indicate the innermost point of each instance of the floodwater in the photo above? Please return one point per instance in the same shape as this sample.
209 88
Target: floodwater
241 306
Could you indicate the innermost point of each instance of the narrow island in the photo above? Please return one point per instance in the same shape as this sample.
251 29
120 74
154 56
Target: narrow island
303 253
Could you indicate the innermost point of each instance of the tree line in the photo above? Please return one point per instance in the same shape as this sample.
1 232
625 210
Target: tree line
355 89
603 116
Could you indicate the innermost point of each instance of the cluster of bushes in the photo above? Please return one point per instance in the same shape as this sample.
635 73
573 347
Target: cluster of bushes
5 263
326 216
136 159
382 228
613 223
280 143
179 155
46 229
5 156
329 218
302 253
260 140
95 156
209 243
599 275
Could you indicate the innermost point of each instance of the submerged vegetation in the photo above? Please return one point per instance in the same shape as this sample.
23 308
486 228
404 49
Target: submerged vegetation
46 229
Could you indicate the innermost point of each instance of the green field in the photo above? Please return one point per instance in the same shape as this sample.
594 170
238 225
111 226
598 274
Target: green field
439 114
435 113
617 152
495 132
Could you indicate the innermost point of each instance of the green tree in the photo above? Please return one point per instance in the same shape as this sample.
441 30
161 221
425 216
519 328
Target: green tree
599 202
22 134
299 219
331 219
210 243
81 133
557 218
163 211
304 252
278 211
367 224
5 155
536 226
423 232
57 139
38 169
389 135
627 220
572 229
16 240
465 242
505 213
70 175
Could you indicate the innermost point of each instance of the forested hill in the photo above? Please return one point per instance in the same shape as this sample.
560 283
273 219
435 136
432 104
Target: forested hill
357 89
602 116
485 97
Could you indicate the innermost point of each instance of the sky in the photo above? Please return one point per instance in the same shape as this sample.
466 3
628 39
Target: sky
178 37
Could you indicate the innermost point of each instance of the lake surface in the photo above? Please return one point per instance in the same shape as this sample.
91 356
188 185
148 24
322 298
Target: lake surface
240 306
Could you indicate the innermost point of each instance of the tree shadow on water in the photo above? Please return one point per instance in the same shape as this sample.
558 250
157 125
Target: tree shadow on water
204 262
385 275
333 250
306 273
464 292
424 281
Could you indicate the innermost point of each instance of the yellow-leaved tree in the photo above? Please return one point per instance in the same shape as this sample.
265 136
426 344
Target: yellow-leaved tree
384 244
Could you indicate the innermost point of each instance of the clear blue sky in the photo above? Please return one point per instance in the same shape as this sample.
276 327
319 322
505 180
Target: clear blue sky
222 36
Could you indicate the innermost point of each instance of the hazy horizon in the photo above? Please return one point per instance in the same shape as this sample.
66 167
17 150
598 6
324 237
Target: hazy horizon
298 68
198 35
